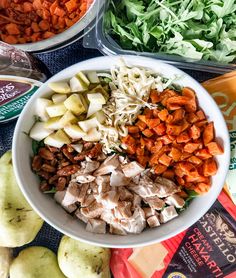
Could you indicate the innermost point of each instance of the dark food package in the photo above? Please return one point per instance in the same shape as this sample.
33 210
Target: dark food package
207 249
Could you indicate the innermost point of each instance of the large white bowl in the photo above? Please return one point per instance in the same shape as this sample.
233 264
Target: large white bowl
62 221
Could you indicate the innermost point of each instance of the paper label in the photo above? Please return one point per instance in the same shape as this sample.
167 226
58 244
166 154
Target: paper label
14 94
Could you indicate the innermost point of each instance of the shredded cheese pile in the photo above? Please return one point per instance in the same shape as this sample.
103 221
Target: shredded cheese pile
130 89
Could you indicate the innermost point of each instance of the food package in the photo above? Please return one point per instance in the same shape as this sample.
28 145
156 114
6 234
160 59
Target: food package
223 90
206 249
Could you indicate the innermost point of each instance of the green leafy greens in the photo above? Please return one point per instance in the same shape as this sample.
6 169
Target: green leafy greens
195 29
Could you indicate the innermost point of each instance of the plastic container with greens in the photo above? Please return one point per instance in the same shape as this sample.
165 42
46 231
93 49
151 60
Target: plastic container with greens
194 34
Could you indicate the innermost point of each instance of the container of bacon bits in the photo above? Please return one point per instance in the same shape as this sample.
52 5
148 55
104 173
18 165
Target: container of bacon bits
20 77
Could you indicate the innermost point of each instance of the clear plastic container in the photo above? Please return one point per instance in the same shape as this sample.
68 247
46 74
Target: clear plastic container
98 39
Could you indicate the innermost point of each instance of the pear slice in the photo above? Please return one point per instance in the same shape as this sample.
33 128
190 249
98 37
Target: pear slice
92 76
74 131
67 118
57 139
56 110
93 108
57 98
38 132
77 85
83 78
92 135
96 97
74 104
88 124
100 116
77 147
40 108
53 123
60 87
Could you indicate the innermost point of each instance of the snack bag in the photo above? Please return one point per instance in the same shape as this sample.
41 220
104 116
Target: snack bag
223 90
207 249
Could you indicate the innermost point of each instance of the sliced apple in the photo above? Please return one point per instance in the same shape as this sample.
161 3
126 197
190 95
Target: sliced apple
55 110
75 104
92 76
84 101
100 89
97 98
57 139
88 124
57 98
40 108
60 87
38 132
67 118
93 108
100 116
53 123
74 131
93 135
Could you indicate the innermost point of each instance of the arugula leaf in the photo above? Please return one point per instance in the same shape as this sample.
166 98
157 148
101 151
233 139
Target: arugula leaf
194 29
36 146
52 191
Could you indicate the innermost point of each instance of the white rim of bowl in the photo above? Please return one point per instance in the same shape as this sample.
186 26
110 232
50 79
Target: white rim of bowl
138 244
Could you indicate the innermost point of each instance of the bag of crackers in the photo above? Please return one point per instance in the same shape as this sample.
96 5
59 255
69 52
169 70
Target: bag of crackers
208 248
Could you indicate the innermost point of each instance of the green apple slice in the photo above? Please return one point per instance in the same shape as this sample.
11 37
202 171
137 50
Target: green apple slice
56 110
92 135
74 131
96 97
75 104
57 139
38 132
88 124
60 87
57 98
40 108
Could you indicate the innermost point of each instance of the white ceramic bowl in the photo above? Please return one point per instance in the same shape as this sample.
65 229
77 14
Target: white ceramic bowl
62 221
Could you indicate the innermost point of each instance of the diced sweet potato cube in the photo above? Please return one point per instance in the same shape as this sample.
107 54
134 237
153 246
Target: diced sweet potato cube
165 160
191 105
140 151
165 139
203 154
156 148
202 123
191 147
149 143
133 129
154 159
148 132
209 167
185 156
143 160
169 174
154 96
178 115
141 125
159 169
202 188
163 114
186 167
208 133
175 154
192 118
194 132
142 118
195 160
177 102
148 113
179 173
214 148
160 129
180 180
196 179
131 149
128 140
201 115
183 137
173 129
153 122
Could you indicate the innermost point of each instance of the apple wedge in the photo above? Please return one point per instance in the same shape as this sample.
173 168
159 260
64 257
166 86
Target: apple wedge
57 139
